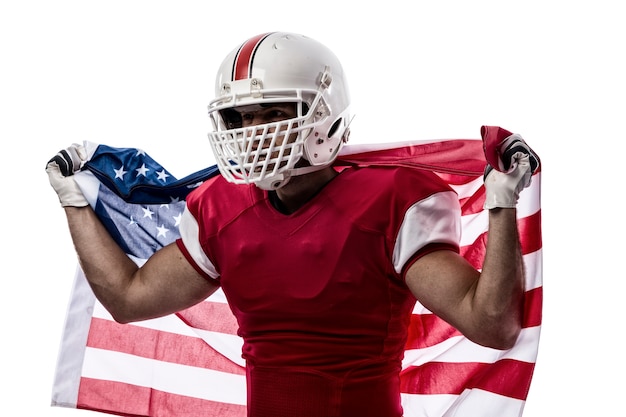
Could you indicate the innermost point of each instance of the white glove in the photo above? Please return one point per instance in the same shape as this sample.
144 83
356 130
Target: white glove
61 169
517 164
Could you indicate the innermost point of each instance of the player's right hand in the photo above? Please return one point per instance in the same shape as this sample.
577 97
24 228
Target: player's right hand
61 169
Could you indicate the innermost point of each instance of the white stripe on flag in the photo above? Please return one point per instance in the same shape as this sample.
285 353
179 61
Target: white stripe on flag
470 403
533 263
458 349
473 225
73 343
229 345
165 376
468 189
528 202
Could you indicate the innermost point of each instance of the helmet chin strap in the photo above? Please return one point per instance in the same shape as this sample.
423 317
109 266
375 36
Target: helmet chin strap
280 180
274 182
307 169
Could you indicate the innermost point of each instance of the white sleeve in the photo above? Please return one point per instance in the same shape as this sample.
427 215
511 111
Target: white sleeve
435 219
190 236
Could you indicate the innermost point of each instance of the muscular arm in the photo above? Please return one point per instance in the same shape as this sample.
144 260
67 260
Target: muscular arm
487 306
165 284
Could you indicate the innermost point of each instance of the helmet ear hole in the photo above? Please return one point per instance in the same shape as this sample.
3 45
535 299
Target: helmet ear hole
334 127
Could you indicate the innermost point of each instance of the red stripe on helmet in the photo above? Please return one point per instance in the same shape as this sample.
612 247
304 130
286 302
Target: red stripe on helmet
243 61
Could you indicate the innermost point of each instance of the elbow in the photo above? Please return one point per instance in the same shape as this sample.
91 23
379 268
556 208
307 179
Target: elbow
504 342
500 328
502 337
130 313
122 315
121 319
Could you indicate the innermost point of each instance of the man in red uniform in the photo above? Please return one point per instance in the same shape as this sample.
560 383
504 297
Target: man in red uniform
320 265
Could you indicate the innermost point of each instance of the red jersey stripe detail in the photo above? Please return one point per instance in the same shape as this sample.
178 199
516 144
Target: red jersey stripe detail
243 61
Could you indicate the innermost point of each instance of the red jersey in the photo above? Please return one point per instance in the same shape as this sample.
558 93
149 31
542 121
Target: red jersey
319 294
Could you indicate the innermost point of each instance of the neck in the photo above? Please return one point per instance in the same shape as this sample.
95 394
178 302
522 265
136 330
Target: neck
302 188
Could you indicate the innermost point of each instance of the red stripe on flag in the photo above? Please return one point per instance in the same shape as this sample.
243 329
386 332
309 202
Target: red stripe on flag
475 253
457 158
530 229
437 377
533 302
506 377
428 330
208 315
158 345
243 60
474 203
131 400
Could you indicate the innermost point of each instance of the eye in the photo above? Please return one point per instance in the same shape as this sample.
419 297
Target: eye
278 115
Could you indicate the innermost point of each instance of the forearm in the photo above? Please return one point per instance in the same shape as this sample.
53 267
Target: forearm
107 268
499 292
164 284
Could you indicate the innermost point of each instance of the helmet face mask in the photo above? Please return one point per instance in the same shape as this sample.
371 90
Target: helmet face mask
275 69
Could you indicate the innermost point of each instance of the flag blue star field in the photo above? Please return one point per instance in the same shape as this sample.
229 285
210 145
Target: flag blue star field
141 202
189 363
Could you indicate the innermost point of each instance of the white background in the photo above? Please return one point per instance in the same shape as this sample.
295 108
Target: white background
140 74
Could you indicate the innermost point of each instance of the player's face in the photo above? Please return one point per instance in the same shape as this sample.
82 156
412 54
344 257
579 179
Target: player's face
261 114
258 114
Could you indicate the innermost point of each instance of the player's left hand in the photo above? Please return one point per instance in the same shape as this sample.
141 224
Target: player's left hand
516 164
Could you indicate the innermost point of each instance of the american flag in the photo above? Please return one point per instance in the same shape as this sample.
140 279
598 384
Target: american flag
189 363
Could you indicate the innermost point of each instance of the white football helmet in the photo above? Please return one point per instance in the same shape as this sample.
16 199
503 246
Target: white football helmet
279 68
